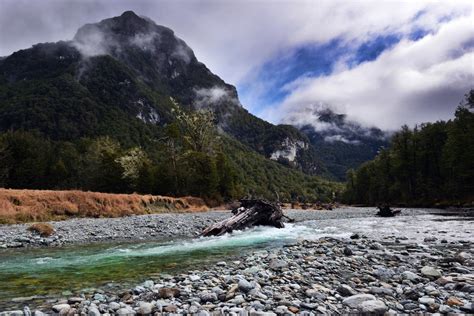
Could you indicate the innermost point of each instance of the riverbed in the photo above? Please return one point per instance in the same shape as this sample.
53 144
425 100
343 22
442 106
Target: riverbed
103 260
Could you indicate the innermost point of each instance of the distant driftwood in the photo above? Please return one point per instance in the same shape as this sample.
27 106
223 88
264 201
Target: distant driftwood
250 213
386 211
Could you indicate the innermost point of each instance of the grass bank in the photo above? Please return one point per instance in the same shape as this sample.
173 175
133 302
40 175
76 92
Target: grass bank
20 206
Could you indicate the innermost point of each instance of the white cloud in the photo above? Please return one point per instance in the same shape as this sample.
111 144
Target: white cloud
234 39
205 97
415 81
340 138
91 42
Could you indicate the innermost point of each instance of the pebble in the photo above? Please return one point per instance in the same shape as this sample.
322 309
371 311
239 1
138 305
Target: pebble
304 278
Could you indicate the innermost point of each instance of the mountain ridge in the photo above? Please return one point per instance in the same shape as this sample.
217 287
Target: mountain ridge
162 65
116 79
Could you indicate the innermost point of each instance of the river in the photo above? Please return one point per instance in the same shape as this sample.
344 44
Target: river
36 275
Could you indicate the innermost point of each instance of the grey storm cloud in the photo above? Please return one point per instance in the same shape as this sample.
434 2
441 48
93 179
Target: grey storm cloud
408 84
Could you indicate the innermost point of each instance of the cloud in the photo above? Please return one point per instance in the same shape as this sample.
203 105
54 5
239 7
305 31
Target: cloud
212 96
340 138
145 41
236 39
183 52
90 41
413 82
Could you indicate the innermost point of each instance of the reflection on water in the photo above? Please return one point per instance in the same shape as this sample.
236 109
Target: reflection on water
49 272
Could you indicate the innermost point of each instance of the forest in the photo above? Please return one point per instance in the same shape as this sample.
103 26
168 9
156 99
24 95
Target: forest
189 157
431 164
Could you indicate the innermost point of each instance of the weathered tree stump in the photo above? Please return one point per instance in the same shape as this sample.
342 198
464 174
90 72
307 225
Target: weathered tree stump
386 211
250 213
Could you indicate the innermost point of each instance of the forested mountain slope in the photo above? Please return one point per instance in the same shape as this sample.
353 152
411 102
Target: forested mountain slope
100 112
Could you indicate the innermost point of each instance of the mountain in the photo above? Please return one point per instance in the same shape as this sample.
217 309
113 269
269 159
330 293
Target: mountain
121 72
341 144
121 78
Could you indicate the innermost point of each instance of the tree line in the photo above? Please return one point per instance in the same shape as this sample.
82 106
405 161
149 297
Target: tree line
187 160
430 164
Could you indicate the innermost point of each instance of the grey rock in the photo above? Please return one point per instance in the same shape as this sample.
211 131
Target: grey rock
93 311
99 297
408 275
277 264
468 307
426 300
381 291
74 300
348 251
309 305
194 277
410 306
207 297
445 309
145 308
60 307
12 313
260 313
346 290
372 307
245 286
430 272
114 306
355 300
125 311
238 300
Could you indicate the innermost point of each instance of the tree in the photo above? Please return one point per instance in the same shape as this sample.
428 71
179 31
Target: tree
100 170
133 164
430 164
198 130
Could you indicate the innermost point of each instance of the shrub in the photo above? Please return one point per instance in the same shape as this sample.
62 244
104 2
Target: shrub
43 229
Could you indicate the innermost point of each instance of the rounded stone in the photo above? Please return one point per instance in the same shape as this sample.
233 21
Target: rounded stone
355 300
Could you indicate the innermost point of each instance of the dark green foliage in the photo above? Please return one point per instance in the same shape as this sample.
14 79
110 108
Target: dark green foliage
106 122
430 164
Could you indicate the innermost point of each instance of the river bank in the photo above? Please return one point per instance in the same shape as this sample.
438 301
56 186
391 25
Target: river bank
325 276
302 268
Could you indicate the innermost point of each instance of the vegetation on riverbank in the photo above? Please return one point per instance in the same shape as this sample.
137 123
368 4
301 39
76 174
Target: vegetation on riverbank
432 164
18 206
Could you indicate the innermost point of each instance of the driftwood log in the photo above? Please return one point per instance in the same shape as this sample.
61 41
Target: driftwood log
250 213
386 211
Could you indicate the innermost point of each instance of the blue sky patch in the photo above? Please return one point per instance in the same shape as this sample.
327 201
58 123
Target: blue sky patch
312 60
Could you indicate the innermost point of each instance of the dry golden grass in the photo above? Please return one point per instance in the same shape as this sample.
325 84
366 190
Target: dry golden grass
19 206
43 229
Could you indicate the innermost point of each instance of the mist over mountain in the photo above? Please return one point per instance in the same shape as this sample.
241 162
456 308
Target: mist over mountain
340 143
120 77
81 113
